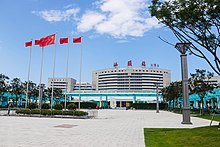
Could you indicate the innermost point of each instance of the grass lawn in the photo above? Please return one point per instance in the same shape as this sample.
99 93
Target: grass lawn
216 118
196 137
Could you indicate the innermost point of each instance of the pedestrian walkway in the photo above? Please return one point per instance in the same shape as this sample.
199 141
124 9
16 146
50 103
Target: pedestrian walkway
112 128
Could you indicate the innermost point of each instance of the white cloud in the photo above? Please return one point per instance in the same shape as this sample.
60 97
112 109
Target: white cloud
58 15
118 18
89 20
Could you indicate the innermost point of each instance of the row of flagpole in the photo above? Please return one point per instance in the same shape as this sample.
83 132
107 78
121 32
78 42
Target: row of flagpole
48 40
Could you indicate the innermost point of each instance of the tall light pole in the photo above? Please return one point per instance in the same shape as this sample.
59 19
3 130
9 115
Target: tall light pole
182 48
157 106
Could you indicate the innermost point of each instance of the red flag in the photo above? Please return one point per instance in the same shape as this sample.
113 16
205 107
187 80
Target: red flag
115 64
28 43
37 42
143 63
77 40
48 40
129 63
63 40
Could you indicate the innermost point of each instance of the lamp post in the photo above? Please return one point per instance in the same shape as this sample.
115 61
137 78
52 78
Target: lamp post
182 48
157 105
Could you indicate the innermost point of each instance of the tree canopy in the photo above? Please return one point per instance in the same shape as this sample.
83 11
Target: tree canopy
199 83
193 21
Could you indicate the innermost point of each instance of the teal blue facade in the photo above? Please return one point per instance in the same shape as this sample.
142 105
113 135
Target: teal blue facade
211 99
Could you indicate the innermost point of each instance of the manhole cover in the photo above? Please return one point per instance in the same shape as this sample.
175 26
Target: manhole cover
65 126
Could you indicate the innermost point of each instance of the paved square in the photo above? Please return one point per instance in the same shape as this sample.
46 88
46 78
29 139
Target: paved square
112 128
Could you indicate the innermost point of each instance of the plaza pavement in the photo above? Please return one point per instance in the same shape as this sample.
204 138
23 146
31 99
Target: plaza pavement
112 128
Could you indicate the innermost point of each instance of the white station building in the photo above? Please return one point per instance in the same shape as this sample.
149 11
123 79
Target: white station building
131 79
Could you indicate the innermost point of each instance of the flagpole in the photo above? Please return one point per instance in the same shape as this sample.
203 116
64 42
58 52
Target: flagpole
40 96
54 66
80 74
67 64
29 66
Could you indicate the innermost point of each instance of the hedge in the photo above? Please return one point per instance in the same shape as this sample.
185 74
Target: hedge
149 106
49 112
45 106
58 107
87 105
32 106
71 106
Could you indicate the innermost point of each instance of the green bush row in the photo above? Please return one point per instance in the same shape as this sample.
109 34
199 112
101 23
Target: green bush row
71 106
49 112
149 106
87 105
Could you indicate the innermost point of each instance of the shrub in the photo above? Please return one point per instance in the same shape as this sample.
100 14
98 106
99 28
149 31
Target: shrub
45 106
87 105
71 106
46 112
49 112
23 111
150 106
35 111
57 112
32 106
58 107
80 113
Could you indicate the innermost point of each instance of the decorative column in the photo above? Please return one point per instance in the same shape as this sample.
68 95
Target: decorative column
134 99
212 104
195 104
182 48
204 104
107 102
100 102
218 102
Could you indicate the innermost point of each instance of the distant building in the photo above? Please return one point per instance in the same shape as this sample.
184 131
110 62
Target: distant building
215 80
84 87
130 79
62 84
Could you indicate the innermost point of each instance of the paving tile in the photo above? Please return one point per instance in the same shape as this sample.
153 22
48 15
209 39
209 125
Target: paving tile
112 128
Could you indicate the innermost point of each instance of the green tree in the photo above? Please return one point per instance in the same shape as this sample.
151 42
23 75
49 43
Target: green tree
17 88
199 84
57 93
194 21
33 91
172 92
4 86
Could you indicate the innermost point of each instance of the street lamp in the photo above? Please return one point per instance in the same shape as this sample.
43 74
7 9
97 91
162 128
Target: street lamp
182 48
157 106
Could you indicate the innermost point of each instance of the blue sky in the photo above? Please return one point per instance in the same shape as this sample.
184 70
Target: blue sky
112 30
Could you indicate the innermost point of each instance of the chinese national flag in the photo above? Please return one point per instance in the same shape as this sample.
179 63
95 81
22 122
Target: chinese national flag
130 63
28 43
37 42
115 64
77 40
143 63
63 40
48 40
